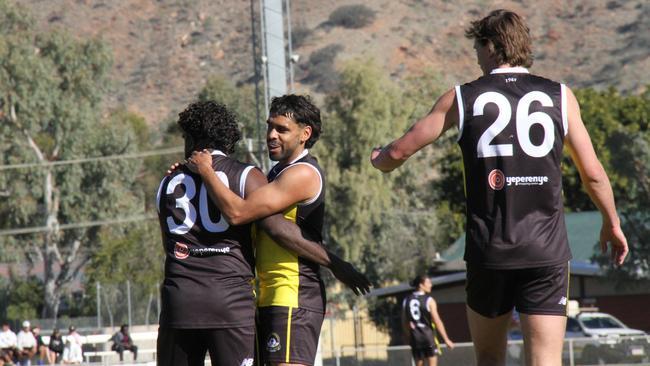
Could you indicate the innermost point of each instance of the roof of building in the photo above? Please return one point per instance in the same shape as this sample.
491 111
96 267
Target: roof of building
583 229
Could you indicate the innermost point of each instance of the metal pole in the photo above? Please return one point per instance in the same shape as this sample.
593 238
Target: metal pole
99 306
264 59
571 360
288 5
256 70
332 335
355 316
266 165
158 304
128 299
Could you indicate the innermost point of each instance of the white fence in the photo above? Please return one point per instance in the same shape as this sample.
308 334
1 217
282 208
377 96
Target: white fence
576 352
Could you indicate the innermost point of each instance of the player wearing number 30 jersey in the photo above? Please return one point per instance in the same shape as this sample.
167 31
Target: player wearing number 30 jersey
512 127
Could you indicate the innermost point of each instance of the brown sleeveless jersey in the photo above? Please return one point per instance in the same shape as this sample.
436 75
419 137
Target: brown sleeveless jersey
512 126
209 264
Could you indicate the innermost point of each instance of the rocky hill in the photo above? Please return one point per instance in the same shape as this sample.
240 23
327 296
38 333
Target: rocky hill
165 50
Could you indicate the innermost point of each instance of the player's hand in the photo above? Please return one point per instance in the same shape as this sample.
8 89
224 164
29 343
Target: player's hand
346 273
615 237
200 161
173 167
450 344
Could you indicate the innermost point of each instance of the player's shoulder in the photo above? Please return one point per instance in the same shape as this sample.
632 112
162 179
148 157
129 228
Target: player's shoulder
230 164
542 79
299 174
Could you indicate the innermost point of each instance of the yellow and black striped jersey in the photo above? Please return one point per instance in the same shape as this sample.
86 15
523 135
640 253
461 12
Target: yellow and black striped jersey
284 278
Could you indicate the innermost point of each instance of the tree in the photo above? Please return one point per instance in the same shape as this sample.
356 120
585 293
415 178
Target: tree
51 89
379 221
629 152
128 257
21 302
390 225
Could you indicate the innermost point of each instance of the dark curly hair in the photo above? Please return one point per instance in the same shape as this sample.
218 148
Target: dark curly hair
300 109
210 125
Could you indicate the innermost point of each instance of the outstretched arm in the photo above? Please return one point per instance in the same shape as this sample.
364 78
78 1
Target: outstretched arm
297 184
442 116
595 181
440 326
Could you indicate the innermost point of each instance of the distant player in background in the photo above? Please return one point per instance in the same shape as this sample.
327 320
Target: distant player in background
422 323
512 127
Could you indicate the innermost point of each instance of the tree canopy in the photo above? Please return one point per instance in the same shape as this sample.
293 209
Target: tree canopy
51 91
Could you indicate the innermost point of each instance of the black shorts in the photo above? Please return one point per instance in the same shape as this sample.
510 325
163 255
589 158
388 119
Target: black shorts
533 291
420 353
187 347
288 335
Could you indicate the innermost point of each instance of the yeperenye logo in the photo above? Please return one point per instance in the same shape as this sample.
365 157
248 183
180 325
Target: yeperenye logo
527 180
497 180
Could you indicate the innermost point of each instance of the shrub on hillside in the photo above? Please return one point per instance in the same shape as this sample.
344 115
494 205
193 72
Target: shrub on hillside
352 16
299 35
320 70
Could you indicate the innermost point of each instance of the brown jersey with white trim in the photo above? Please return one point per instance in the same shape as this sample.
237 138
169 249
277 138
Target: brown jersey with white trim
512 127
209 263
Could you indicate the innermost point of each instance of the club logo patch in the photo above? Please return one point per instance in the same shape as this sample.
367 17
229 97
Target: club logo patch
181 251
273 343
496 179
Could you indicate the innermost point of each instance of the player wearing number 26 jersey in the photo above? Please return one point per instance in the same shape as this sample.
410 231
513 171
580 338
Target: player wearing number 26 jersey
512 127
511 132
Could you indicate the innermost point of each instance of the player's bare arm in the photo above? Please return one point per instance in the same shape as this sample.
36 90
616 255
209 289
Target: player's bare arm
288 235
297 184
442 116
595 180
440 326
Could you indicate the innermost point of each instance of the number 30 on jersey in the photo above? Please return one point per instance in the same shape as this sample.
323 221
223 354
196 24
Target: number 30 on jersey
184 203
523 120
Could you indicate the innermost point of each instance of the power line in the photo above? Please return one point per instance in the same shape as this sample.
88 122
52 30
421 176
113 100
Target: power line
168 151
40 229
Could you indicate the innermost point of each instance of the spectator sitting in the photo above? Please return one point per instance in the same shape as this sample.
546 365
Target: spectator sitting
41 348
8 343
72 353
26 345
55 346
122 341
